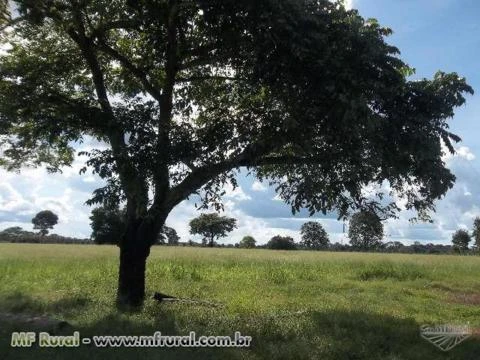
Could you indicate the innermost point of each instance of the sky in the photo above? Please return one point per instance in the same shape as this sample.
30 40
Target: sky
431 35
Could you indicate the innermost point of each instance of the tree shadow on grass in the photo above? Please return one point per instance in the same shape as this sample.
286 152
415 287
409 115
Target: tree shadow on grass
334 335
350 335
21 303
359 335
116 323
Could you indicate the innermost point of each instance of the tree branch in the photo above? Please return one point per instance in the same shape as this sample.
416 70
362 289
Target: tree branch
200 78
201 175
281 160
161 176
90 114
133 184
248 158
201 56
113 25
134 70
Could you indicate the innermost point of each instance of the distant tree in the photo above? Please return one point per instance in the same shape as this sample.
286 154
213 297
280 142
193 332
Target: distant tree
394 246
108 225
314 236
460 240
248 242
17 234
12 231
476 233
432 249
339 247
109 222
44 220
365 231
417 247
212 226
168 235
281 243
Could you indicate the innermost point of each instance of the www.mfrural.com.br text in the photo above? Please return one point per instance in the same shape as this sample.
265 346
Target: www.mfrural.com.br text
45 339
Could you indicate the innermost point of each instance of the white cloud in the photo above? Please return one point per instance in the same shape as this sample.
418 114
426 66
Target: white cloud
258 186
235 194
89 179
463 152
24 194
277 198
349 4
259 228
11 200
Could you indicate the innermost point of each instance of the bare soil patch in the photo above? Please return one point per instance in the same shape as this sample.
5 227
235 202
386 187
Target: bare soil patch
466 298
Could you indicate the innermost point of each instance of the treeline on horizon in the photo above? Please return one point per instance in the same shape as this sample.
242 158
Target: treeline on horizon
365 233
18 235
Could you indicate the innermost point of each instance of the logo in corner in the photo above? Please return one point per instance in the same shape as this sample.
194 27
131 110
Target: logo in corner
445 337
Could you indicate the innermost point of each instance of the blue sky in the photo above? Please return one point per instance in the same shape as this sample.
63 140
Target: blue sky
431 35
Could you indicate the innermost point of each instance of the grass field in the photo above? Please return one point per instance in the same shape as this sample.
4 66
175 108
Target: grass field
295 305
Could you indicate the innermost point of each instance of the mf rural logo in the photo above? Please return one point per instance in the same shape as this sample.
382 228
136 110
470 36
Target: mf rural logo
446 337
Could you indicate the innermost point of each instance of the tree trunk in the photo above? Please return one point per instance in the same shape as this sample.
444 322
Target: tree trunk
134 251
131 277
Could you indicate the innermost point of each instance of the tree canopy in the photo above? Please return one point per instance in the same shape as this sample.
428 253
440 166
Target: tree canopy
306 87
460 240
212 226
279 242
314 236
248 242
108 225
44 220
168 235
365 230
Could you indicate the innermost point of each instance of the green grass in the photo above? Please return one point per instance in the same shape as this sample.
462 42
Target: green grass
295 305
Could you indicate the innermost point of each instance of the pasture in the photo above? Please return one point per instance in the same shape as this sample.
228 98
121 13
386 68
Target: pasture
294 304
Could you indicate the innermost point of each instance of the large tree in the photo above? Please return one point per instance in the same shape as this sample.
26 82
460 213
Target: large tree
183 93
212 226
